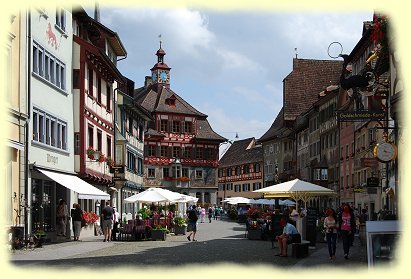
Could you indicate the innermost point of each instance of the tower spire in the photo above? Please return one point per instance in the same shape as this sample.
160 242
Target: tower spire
159 36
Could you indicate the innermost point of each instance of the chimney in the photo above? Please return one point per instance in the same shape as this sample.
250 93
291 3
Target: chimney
97 11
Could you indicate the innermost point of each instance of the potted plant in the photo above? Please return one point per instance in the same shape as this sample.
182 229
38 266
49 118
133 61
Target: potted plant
180 225
90 152
159 233
254 230
40 236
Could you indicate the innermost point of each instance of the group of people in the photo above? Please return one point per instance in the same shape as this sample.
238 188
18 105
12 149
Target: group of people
198 213
213 212
342 223
109 216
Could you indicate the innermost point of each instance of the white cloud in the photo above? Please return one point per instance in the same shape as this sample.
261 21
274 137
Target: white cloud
235 60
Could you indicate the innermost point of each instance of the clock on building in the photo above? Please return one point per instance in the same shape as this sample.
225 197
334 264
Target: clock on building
154 76
164 76
385 152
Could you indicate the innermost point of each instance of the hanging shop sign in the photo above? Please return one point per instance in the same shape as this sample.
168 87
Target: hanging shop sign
373 182
360 115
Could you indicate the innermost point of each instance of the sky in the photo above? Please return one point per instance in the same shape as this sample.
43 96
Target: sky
229 64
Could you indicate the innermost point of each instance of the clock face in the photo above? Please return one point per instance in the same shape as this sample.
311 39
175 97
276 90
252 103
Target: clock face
163 76
385 151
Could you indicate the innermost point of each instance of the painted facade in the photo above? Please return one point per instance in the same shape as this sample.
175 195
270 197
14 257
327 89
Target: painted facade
51 138
181 149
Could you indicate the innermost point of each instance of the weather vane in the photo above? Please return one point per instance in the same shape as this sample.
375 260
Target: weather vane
159 36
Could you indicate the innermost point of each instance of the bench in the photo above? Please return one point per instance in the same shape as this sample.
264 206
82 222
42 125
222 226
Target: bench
300 250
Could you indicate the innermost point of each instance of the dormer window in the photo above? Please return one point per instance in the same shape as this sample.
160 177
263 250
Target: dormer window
171 101
110 53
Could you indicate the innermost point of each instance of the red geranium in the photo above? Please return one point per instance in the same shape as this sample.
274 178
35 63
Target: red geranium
90 217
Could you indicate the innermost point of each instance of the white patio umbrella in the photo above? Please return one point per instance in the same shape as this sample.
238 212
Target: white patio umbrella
153 195
237 200
264 201
295 189
286 202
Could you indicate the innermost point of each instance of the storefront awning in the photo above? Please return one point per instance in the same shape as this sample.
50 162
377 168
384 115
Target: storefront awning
72 182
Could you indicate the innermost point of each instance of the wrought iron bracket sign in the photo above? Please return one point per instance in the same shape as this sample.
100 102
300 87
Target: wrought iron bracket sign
360 115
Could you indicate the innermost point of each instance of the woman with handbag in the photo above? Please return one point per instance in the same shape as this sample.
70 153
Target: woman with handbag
77 221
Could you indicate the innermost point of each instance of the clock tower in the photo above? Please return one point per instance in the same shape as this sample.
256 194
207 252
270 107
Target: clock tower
160 73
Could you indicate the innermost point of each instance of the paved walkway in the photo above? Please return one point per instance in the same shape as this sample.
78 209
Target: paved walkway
221 242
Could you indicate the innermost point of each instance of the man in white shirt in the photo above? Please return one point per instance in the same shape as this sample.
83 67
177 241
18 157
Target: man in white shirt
290 235
116 219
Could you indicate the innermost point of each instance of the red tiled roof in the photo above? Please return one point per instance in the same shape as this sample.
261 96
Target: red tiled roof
238 154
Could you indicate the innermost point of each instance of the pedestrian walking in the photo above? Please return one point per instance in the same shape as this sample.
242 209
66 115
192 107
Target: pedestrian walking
210 214
77 216
116 218
330 226
71 214
61 215
216 212
202 215
192 223
107 216
346 224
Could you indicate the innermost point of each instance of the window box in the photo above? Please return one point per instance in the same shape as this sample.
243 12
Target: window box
158 235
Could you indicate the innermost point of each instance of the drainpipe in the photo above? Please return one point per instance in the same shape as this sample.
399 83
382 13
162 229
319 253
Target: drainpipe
27 193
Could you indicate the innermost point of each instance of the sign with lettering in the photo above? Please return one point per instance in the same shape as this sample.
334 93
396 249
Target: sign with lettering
360 115
116 169
311 226
369 162
373 182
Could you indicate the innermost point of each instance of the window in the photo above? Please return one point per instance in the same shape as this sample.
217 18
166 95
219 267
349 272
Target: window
99 90
188 127
90 133
256 186
99 141
163 151
229 172
246 187
49 129
108 146
76 143
199 174
187 152
257 167
151 150
176 151
237 188
61 19
237 171
76 79
176 126
48 67
108 90
166 172
324 174
199 153
163 125
90 81
130 125
151 173
131 161
140 166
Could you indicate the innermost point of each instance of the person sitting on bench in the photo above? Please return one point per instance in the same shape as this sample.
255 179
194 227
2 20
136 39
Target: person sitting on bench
290 235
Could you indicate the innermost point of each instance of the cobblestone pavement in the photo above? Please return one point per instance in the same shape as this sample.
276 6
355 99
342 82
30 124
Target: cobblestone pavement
221 242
